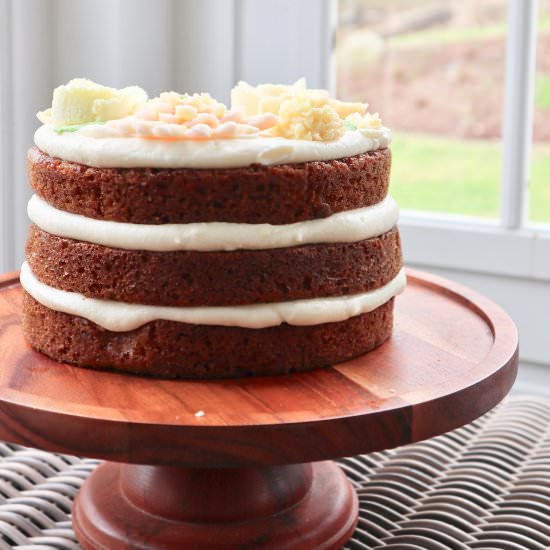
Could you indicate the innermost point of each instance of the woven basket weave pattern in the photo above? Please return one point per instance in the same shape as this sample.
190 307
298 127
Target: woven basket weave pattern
483 486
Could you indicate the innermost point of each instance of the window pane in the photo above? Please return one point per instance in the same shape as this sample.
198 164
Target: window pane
434 70
540 160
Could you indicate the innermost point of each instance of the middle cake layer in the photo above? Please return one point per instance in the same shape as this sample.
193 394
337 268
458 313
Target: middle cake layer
188 278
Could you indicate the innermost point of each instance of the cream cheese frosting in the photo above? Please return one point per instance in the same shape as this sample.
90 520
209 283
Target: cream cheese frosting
97 145
343 227
122 317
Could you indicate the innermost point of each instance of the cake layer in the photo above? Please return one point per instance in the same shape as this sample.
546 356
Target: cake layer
172 350
343 227
279 194
213 278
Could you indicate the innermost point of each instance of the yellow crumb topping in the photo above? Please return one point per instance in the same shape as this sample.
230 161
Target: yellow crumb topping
287 111
312 119
302 113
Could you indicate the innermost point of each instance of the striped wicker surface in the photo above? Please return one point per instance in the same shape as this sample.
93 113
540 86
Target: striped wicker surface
483 486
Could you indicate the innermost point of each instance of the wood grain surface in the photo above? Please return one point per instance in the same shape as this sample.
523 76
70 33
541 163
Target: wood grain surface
452 357
297 507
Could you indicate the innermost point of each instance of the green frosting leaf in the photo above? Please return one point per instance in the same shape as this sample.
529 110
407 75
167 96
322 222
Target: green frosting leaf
75 127
349 125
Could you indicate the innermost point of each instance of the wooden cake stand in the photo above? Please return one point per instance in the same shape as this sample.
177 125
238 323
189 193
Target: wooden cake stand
243 463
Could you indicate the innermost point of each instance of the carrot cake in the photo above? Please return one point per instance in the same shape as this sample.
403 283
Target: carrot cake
176 237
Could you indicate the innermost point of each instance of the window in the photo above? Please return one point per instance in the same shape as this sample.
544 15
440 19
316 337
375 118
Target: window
462 169
435 70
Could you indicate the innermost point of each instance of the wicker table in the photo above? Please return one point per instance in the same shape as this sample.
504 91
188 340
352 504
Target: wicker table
485 486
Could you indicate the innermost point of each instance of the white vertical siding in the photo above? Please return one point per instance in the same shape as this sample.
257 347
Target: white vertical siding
32 64
115 42
203 47
285 40
6 141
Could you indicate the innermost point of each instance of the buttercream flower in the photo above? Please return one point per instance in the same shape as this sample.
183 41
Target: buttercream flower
309 119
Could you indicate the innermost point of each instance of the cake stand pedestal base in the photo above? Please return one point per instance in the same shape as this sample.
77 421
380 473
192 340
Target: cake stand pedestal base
151 507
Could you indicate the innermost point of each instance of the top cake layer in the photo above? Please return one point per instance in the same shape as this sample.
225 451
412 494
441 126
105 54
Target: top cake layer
256 194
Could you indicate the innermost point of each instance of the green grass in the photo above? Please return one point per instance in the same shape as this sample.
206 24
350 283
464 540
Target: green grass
446 175
542 93
461 176
445 35
540 184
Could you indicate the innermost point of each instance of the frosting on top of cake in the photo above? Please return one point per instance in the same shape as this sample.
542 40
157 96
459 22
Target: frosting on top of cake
268 124
110 152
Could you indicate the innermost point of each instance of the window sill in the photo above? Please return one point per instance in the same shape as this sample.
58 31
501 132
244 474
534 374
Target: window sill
454 242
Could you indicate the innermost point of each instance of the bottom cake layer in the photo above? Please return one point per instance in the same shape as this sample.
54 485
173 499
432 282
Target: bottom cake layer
179 350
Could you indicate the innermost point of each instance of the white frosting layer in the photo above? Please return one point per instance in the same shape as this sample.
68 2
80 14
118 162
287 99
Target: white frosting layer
121 317
95 146
348 226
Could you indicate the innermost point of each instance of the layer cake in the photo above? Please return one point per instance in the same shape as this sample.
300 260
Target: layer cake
173 237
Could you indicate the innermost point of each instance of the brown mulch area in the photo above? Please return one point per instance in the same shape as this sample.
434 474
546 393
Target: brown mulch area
455 89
